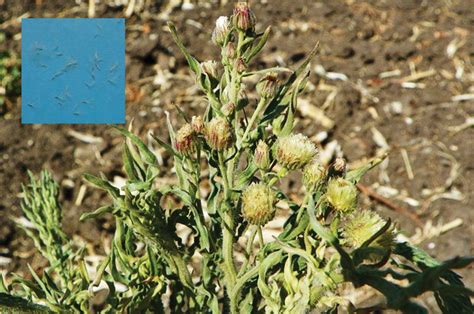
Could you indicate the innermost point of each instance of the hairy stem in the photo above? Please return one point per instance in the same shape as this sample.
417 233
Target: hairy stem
227 226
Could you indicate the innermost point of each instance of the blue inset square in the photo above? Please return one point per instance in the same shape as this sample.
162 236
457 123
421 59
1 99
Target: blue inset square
73 71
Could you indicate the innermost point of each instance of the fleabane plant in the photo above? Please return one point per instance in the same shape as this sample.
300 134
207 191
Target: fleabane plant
238 151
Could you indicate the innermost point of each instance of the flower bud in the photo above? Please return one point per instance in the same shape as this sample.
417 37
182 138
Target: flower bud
294 151
262 156
243 18
185 140
258 204
341 194
313 173
221 30
228 109
210 68
240 65
230 51
338 167
362 225
218 134
268 86
197 124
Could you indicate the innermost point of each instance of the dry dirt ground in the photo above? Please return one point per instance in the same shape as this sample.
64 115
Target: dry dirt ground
393 75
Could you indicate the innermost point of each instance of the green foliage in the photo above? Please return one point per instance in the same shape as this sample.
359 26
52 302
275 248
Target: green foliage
151 269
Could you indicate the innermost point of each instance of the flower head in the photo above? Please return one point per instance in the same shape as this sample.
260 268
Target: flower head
268 85
230 51
185 139
313 173
243 18
218 134
362 225
221 30
262 156
210 68
258 204
338 167
294 151
197 124
240 65
228 109
341 194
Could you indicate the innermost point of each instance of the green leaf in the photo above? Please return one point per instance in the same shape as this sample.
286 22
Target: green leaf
13 304
166 146
355 175
290 115
261 43
147 155
129 164
103 184
97 213
192 62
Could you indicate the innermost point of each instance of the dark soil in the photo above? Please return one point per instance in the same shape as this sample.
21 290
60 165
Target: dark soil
360 39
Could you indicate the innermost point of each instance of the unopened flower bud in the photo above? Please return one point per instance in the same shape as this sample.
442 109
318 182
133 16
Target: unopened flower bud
230 51
268 86
210 68
338 168
294 151
341 194
218 134
228 109
361 226
258 204
262 156
240 65
243 18
185 140
197 124
221 30
313 173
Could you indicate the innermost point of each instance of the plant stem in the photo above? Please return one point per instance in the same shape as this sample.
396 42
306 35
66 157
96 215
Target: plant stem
248 250
260 237
281 173
302 208
227 226
260 106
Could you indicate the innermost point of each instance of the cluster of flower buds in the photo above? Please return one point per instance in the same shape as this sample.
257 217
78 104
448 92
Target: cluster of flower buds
258 204
243 18
294 151
362 225
262 156
313 174
218 134
221 31
186 140
341 194
267 87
